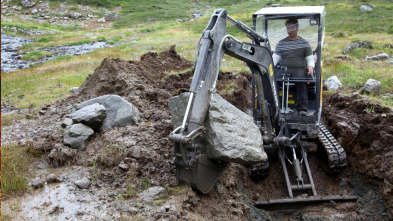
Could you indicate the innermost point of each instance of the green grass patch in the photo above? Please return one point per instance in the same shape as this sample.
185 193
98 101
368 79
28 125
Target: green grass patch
36 55
15 164
62 57
10 119
115 40
81 42
101 38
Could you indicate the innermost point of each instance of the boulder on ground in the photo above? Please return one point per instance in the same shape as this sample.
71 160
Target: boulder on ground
37 183
82 183
77 135
112 17
74 15
333 83
371 87
153 193
91 115
360 44
101 20
231 134
366 8
119 112
28 3
381 56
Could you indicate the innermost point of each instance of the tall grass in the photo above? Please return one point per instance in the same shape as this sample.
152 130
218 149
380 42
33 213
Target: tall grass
15 164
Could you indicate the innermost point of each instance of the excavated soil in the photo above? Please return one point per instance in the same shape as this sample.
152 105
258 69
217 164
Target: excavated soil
365 130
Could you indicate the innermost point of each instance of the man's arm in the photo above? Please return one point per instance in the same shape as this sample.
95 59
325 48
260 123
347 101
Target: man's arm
276 59
310 64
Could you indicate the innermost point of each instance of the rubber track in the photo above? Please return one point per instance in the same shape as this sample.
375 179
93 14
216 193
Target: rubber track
337 158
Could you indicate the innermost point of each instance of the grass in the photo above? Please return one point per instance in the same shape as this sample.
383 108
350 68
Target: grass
81 42
15 163
36 55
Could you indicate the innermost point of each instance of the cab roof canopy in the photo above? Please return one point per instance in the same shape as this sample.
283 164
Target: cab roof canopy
300 10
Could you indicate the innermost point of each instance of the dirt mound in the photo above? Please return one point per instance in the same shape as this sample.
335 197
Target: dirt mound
365 130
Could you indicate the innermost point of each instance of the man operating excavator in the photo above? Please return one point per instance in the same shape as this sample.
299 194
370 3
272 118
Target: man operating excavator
293 51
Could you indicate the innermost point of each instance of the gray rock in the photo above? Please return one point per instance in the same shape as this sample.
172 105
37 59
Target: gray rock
101 20
153 193
112 17
37 183
231 134
333 83
66 122
74 15
52 178
77 135
83 183
91 115
74 89
34 11
119 112
371 87
360 44
381 56
28 3
366 8
123 166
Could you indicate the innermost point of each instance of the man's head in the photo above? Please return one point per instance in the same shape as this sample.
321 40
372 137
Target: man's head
292 27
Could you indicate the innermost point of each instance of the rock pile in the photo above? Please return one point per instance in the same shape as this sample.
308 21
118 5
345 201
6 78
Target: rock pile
104 112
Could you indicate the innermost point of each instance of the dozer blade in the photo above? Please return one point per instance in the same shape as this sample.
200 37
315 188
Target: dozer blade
292 204
203 175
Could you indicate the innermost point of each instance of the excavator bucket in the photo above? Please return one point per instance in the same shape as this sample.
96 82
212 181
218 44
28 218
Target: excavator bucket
203 174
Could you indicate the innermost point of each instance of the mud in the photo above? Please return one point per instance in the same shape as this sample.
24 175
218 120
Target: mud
122 162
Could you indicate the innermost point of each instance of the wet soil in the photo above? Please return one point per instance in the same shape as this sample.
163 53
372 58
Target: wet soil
365 133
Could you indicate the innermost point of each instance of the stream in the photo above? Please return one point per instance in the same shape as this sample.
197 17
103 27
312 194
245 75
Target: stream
11 60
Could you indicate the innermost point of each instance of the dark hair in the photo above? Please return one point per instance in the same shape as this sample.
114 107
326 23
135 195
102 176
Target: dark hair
292 21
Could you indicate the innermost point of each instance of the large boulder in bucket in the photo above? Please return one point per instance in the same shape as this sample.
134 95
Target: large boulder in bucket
231 134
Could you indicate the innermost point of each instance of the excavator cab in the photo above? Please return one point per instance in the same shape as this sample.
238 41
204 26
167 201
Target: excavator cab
270 22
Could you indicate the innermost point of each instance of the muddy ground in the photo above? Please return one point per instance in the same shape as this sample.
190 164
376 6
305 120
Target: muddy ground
364 129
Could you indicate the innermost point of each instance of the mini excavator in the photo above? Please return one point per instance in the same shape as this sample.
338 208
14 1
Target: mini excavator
285 132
